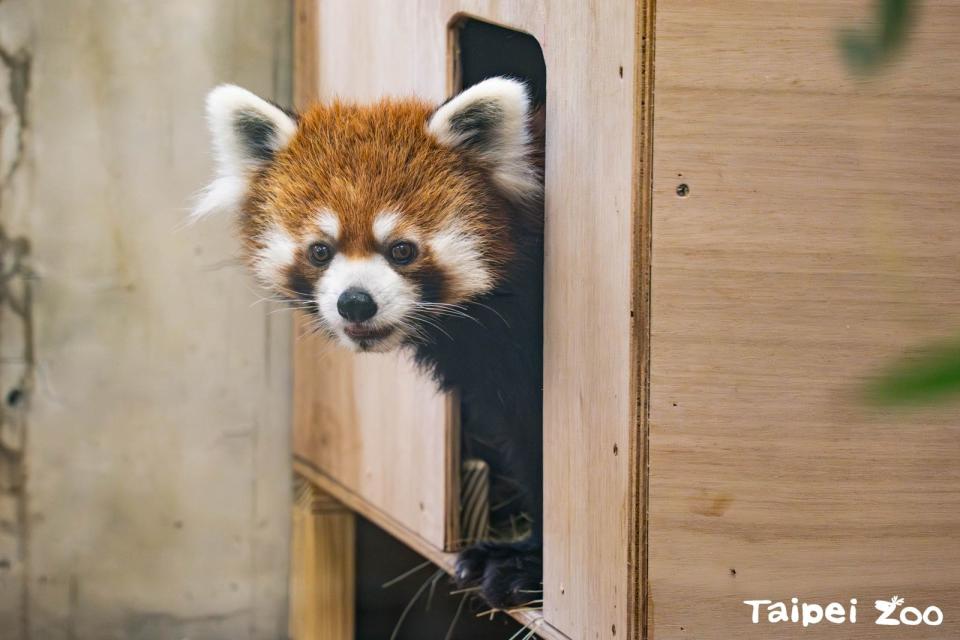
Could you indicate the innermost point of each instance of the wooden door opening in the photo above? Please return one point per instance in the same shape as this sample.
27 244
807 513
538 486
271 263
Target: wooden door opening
482 50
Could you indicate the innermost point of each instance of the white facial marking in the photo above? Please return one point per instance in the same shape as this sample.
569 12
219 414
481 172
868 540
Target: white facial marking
394 296
459 253
329 224
383 226
277 252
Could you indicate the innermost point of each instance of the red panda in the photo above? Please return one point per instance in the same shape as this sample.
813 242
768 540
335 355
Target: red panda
403 225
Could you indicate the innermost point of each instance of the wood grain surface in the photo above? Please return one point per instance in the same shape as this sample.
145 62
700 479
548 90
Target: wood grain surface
818 242
323 566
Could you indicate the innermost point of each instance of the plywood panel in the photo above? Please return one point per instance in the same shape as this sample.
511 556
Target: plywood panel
591 434
818 241
373 426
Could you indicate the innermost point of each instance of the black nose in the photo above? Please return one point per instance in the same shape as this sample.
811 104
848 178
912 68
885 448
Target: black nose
356 305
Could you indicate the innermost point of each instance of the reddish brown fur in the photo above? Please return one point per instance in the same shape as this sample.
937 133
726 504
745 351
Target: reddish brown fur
358 161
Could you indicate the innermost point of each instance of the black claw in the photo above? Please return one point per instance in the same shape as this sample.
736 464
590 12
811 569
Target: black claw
508 574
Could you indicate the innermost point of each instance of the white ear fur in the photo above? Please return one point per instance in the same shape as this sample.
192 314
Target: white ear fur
492 119
247 131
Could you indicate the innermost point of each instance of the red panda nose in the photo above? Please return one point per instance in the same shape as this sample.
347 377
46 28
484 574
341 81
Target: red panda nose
356 305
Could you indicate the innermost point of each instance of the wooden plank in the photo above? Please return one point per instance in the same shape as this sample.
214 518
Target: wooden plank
306 49
381 518
818 242
593 444
322 567
643 241
378 429
592 452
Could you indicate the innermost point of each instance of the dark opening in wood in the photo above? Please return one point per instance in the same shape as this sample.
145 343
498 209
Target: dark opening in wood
421 589
484 50
481 50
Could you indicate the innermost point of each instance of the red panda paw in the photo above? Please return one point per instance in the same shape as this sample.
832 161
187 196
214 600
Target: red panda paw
509 574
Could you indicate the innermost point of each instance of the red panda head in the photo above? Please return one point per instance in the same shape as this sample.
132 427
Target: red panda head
375 218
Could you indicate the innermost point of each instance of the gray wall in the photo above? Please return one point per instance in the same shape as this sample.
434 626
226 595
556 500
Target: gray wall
144 476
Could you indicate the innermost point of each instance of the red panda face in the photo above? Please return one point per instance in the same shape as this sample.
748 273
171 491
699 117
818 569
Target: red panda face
376 219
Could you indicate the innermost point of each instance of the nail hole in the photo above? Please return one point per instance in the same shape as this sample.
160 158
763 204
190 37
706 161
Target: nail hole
621 71
733 572
14 397
613 629
616 450
683 190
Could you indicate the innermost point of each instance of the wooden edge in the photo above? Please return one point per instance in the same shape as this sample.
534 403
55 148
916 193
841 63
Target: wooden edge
644 37
452 479
454 70
322 566
306 84
458 18
375 515
439 557
534 620
529 619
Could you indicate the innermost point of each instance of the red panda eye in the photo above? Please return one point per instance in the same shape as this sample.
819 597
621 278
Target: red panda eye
319 254
403 252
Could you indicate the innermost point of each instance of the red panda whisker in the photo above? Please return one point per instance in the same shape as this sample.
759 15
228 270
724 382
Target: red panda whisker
412 330
439 307
289 292
448 314
452 313
290 309
433 324
450 305
287 301
497 313
293 304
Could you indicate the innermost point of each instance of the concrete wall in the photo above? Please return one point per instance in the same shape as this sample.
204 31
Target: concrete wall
144 476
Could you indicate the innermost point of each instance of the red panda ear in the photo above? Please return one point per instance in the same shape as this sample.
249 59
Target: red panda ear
247 132
492 120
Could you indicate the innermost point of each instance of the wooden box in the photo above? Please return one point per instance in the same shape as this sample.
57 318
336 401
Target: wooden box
732 249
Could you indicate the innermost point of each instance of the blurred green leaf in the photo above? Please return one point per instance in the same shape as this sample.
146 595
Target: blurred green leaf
925 377
866 49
